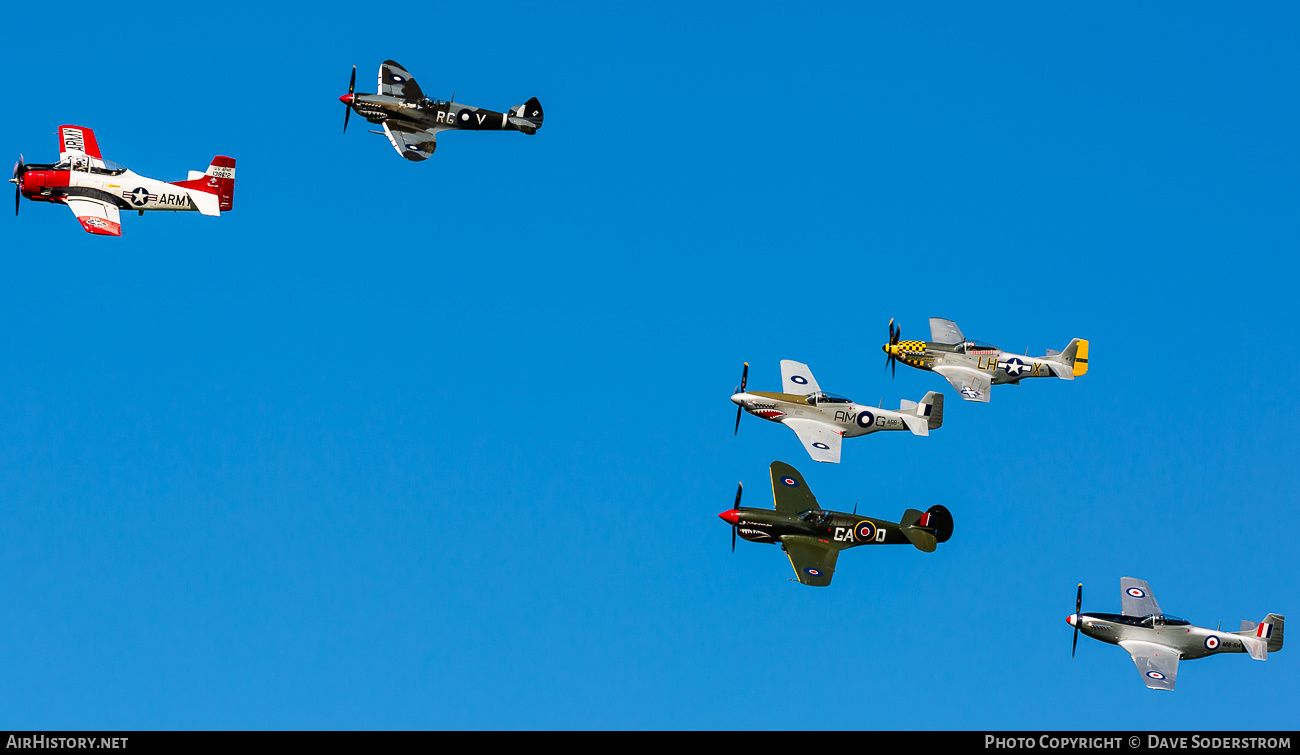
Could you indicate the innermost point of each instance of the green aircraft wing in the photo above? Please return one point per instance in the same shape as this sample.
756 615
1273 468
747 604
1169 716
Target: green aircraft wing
813 562
789 491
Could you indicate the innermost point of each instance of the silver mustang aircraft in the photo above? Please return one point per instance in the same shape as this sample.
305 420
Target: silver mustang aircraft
1157 641
973 366
821 419
412 121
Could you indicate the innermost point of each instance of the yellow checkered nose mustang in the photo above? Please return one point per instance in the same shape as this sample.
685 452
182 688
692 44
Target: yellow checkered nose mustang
973 367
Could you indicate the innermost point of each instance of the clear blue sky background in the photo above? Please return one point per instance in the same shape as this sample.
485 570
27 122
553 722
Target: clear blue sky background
443 445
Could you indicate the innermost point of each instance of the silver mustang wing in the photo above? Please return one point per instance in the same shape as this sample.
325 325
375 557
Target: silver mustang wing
971 384
396 81
796 378
945 331
1136 598
1157 664
821 439
412 143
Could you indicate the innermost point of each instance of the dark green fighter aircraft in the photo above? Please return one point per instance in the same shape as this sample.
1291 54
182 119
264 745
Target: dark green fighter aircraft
813 538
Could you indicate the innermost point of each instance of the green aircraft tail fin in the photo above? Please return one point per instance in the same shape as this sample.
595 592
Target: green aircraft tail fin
922 538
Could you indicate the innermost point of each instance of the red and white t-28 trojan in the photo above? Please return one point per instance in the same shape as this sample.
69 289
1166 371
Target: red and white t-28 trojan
97 189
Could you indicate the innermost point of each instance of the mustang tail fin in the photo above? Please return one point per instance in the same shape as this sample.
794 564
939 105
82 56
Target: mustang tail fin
1266 635
219 180
1074 357
527 117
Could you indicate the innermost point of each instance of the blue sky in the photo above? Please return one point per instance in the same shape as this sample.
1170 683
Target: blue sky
443 445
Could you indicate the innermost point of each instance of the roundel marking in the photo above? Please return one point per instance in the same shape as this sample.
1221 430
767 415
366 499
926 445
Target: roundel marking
821 445
865 419
1155 675
1137 593
865 532
1211 642
790 482
813 571
139 196
800 379
398 79
463 115
412 146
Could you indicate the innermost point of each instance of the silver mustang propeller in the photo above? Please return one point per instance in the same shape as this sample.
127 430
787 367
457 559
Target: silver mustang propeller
744 377
1078 605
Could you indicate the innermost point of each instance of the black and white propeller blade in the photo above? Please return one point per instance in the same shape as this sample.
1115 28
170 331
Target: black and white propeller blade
1078 604
740 486
891 359
347 106
19 170
744 378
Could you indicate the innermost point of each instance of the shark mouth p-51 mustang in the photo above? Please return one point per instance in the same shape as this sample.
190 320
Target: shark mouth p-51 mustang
412 121
96 189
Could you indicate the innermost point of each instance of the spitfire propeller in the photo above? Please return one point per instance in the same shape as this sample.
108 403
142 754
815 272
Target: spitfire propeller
744 377
1078 604
891 358
347 101
19 169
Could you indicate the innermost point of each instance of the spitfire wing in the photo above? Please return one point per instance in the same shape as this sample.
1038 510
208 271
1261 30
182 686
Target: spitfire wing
821 439
813 562
395 81
972 385
1157 664
789 492
1136 598
96 217
797 379
945 331
78 140
412 143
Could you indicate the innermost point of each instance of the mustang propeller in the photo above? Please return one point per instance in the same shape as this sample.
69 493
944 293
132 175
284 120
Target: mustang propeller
744 377
347 99
1078 604
19 169
891 360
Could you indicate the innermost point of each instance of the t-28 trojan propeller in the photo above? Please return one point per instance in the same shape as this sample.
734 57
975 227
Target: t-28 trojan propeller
822 420
973 366
1157 641
412 121
813 537
96 189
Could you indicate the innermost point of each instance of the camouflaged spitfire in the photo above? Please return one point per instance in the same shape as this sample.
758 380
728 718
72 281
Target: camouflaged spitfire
822 420
974 366
1157 641
813 537
412 121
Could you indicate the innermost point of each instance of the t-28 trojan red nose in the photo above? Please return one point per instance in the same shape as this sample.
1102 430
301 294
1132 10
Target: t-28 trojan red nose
730 516
346 99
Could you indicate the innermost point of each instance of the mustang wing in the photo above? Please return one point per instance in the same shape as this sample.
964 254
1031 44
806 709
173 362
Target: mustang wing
1157 664
96 217
972 385
395 81
789 492
813 562
945 331
796 378
1136 598
78 140
413 144
820 439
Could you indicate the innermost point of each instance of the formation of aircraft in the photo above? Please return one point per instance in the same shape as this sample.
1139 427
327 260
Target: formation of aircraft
1157 641
412 121
974 366
813 537
822 420
97 190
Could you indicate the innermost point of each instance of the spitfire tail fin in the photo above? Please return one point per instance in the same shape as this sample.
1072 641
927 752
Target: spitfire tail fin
219 179
1268 633
527 117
